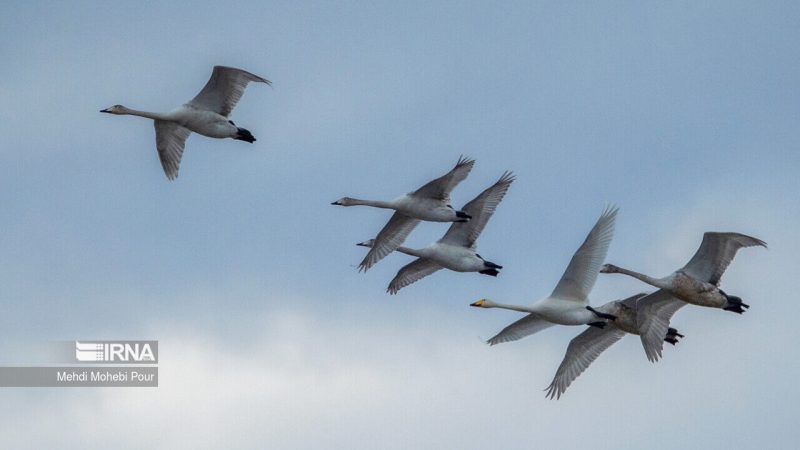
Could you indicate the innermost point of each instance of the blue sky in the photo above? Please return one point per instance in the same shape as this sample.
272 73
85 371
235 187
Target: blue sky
682 113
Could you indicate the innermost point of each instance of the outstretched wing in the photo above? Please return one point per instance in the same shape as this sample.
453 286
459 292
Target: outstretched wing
411 273
170 140
224 89
653 313
526 326
393 234
481 209
441 187
579 278
583 349
715 254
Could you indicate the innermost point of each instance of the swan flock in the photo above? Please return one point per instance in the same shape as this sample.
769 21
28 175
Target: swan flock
647 315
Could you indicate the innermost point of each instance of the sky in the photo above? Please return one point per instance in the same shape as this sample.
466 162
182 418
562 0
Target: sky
684 114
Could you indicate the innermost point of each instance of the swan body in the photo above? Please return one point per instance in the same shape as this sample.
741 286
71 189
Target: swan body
698 281
587 346
568 304
456 250
206 114
431 203
421 208
453 257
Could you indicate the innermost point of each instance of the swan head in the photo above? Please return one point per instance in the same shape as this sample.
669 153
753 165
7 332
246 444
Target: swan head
484 303
116 109
344 201
609 268
368 243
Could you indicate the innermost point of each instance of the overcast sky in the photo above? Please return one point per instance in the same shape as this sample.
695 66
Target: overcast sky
684 114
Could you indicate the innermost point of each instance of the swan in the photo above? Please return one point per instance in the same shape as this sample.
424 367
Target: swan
698 281
206 114
456 249
431 203
568 303
584 348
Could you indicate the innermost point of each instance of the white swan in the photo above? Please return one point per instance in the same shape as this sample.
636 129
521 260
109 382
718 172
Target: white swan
431 202
587 346
568 303
456 249
206 114
698 281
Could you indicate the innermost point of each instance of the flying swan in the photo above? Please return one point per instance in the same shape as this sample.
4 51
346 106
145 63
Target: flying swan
587 346
431 203
698 281
456 250
568 303
206 114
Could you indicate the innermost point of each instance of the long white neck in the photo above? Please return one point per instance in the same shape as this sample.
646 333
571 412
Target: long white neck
374 203
412 252
657 282
511 307
149 115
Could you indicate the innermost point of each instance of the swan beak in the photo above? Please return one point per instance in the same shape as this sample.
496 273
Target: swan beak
362 244
105 111
332 203
479 303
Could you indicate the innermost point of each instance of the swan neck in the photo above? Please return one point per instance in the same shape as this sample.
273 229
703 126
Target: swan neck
513 307
147 114
373 203
642 277
411 251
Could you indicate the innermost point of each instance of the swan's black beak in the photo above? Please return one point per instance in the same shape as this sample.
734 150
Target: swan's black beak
335 203
105 111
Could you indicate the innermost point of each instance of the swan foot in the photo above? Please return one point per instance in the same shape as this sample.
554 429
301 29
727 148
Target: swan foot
491 272
735 304
672 336
244 135
600 325
602 315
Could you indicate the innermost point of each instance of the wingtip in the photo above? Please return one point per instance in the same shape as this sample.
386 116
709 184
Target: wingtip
507 177
464 160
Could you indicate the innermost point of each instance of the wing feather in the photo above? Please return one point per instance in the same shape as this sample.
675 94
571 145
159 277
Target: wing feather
526 326
715 254
224 89
583 349
170 141
653 314
393 234
411 273
481 209
441 187
579 278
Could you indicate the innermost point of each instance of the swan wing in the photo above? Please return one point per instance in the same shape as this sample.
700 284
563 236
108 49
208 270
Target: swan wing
653 313
481 209
583 349
411 273
224 89
441 187
526 326
170 141
389 238
715 254
579 278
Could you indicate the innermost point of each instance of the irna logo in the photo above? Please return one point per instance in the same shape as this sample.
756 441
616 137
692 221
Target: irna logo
132 352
